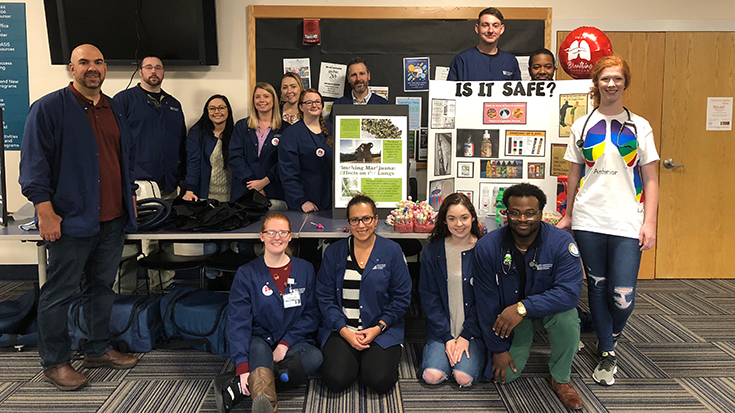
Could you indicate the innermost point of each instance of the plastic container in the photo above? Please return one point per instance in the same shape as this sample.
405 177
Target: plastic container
403 226
423 228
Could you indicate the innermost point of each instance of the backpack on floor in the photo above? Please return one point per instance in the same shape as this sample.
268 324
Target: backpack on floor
194 318
135 323
18 324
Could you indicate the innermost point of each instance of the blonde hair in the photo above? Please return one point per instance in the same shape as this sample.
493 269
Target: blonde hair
602 64
295 76
275 112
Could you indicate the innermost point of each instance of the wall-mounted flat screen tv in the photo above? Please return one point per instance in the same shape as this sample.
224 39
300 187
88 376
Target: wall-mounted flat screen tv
180 32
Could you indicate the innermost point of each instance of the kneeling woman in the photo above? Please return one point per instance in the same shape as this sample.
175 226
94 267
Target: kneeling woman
454 342
272 314
363 289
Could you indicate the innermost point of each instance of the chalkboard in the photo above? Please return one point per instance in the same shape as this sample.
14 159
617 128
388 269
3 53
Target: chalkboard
382 41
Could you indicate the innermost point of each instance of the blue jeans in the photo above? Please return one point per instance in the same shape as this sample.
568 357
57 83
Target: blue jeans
93 261
611 263
261 355
435 357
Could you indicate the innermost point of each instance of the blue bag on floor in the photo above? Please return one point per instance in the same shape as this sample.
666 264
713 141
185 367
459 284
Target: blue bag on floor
194 318
18 325
135 323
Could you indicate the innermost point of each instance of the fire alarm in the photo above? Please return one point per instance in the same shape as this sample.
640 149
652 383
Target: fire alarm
311 31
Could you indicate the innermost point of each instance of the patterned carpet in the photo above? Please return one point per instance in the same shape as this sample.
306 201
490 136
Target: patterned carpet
677 354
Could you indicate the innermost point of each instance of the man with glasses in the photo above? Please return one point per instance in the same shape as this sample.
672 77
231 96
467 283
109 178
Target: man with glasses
159 136
486 61
358 76
528 277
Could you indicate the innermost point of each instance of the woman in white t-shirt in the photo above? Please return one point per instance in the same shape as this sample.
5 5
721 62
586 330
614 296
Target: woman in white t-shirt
613 216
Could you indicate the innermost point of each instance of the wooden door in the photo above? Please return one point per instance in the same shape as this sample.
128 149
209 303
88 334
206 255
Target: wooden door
644 52
696 223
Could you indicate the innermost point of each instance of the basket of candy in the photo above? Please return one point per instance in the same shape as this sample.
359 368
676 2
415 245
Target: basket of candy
424 217
552 218
410 216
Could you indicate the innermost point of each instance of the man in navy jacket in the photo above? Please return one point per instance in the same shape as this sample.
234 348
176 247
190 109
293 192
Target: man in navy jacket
358 76
76 168
156 122
528 277
486 61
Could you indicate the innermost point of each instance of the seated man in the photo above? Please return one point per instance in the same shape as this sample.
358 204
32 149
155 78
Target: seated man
528 277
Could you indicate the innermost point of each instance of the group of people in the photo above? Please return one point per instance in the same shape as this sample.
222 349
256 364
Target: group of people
484 296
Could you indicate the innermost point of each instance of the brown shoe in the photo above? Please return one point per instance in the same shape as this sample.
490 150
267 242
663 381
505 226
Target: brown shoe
113 359
566 393
64 377
262 385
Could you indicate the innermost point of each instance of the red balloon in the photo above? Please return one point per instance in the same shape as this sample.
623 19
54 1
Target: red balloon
581 49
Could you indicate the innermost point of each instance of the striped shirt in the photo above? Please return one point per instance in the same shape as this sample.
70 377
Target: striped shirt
351 290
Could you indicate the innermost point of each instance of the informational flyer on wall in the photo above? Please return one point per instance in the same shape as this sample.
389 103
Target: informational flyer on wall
414 110
301 66
484 136
332 79
372 142
14 97
416 74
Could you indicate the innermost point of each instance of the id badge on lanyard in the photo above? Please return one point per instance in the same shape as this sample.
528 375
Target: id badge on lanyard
293 297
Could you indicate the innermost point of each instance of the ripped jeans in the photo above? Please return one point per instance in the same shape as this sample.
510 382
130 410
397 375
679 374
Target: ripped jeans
611 264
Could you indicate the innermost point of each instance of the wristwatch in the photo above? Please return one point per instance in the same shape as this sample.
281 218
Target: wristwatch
521 309
382 327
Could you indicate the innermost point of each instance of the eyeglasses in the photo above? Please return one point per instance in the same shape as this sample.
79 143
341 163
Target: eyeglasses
149 67
273 233
312 103
213 109
367 220
516 215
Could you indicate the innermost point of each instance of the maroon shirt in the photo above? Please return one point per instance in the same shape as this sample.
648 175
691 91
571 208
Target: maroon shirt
106 131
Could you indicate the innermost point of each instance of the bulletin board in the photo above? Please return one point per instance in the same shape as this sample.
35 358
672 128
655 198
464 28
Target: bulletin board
383 36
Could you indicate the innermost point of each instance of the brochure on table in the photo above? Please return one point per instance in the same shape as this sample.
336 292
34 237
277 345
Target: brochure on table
372 146
487 135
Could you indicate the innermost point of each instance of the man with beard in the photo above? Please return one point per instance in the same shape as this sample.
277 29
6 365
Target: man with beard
358 76
76 168
159 133
541 65
528 277
486 61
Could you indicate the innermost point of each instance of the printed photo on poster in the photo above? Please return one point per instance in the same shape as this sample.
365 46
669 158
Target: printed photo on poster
442 113
442 154
536 170
423 151
571 107
360 151
302 66
465 169
504 113
559 166
525 143
477 143
438 190
501 168
485 204
416 74
470 195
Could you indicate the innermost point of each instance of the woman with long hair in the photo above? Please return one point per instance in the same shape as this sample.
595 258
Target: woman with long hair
208 173
272 315
254 147
613 215
291 88
453 347
305 157
363 290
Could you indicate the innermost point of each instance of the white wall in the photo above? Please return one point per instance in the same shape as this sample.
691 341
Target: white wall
193 86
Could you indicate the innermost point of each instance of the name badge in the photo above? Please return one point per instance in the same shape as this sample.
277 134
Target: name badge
292 299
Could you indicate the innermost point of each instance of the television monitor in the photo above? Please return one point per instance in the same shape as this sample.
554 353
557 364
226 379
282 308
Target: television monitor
180 32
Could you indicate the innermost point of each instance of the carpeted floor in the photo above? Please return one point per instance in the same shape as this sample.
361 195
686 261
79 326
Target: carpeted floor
677 354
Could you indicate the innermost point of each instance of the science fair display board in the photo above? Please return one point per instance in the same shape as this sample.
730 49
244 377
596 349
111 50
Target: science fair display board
371 154
488 135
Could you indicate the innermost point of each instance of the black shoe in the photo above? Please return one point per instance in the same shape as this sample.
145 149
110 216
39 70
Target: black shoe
227 392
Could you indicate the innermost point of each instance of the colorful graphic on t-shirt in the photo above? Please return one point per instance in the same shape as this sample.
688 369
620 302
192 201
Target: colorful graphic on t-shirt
625 141
638 184
594 143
